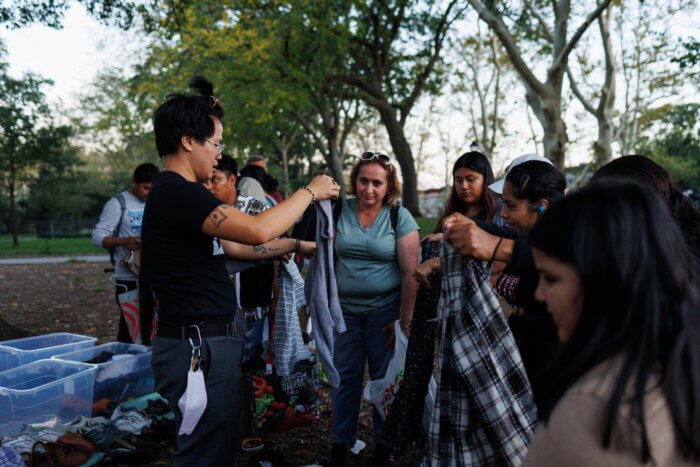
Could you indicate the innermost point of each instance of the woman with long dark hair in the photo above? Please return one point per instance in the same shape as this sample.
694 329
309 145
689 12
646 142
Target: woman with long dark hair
651 174
617 277
470 196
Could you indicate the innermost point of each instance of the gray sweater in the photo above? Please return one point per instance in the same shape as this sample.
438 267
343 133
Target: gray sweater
322 292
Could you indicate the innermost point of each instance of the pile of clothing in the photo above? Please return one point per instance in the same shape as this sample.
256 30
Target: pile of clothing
119 434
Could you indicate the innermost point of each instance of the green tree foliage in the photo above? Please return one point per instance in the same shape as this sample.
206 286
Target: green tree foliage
672 139
395 50
77 192
19 13
114 125
688 56
273 59
28 136
268 65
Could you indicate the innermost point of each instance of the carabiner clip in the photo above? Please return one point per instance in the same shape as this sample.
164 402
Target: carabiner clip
196 350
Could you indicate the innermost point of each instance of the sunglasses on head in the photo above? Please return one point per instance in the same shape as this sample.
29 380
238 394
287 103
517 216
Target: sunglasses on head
369 155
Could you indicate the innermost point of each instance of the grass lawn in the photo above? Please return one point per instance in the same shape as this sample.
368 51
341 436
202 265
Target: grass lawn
33 246
426 224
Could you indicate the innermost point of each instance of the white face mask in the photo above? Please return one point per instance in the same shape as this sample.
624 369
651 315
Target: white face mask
194 400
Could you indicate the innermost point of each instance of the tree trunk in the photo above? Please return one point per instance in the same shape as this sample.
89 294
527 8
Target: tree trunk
403 153
555 138
284 151
335 163
13 211
548 112
602 148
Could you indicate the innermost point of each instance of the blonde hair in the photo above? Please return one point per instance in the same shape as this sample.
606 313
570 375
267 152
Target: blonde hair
392 179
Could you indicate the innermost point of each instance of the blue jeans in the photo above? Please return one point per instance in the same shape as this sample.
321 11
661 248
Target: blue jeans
252 345
363 342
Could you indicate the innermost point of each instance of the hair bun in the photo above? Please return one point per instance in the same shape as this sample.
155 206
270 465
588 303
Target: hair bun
203 86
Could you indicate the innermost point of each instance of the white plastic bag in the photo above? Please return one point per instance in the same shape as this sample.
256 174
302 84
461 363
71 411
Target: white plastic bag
429 404
381 392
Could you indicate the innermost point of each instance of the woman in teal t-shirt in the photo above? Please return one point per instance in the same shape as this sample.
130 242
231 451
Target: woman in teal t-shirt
374 272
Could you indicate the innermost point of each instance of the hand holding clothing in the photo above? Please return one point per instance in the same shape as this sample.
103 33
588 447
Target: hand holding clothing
424 269
131 243
469 240
308 249
324 187
435 237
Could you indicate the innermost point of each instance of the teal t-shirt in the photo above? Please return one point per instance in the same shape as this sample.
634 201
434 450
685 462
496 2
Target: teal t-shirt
367 269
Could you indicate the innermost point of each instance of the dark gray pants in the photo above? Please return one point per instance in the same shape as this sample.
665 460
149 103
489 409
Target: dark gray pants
216 438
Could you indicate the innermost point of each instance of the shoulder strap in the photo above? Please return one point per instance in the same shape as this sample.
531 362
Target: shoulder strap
394 216
337 211
115 233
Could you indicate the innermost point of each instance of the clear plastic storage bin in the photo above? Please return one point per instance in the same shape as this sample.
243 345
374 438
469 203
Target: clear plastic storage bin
29 349
45 390
128 375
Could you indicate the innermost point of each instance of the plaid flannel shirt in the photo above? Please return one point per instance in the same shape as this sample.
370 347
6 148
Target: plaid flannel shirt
484 411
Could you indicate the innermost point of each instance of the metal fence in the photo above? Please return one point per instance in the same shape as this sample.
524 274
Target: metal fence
52 228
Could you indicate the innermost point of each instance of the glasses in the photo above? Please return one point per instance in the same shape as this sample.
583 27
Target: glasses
369 155
219 147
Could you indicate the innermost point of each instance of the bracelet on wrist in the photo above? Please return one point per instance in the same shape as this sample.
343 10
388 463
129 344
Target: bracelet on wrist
297 247
493 257
313 195
404 324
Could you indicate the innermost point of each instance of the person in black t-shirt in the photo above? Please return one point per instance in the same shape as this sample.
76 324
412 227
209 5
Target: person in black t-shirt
195 297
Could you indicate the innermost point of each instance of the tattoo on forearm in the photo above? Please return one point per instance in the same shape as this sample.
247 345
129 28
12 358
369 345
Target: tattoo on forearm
218 216
263 250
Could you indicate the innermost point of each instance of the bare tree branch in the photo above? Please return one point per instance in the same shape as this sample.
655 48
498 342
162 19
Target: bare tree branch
540 19
380 104
509 44
577 92
318 143
350 122
438 39
496 97
564 55
357 82
607 98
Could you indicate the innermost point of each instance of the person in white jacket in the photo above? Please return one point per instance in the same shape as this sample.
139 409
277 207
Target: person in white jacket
119 230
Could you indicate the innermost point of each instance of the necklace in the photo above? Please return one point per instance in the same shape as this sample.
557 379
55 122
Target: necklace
372 217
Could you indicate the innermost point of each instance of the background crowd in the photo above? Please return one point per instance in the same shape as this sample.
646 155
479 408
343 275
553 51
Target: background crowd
566 322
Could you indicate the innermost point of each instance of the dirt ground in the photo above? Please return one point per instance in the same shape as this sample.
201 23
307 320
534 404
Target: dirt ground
77 297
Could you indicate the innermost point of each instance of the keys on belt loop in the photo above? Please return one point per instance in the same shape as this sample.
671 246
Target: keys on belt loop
195 360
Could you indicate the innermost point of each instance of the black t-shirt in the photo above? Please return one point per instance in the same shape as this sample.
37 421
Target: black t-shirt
190 283
534 330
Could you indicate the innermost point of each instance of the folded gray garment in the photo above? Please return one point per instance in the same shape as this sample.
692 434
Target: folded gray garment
322 292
